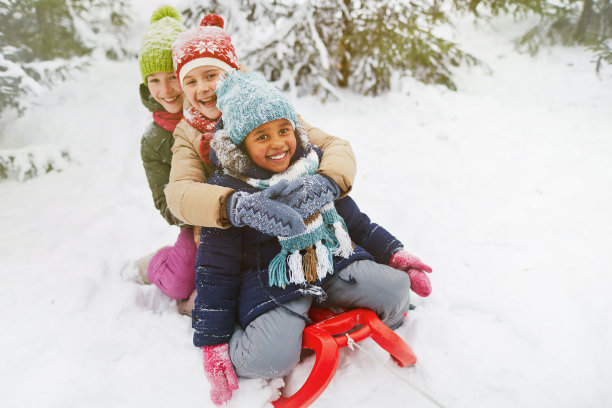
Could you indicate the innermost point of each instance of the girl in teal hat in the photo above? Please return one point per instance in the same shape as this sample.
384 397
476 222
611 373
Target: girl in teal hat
257 280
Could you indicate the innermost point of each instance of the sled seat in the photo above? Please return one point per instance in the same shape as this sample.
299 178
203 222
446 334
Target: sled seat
328 335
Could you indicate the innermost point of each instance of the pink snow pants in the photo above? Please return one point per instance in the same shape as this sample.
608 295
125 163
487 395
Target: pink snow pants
172 268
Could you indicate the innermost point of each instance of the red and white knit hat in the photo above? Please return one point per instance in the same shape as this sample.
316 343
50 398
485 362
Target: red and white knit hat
207 44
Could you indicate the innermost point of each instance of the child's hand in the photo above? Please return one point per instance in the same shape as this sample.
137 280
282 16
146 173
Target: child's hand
260 212
308 194
219 372
419 281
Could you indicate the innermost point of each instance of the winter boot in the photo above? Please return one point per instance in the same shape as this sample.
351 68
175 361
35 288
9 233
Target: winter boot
143 265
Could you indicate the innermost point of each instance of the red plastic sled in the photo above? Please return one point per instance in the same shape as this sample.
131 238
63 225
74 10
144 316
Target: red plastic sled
320 337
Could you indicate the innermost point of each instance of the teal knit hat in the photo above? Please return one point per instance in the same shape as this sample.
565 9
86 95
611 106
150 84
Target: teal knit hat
155 53
247 101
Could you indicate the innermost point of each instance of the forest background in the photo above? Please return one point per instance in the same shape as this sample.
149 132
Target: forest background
482 136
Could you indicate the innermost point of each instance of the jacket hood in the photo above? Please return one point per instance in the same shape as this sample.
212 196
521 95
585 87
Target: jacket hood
147 99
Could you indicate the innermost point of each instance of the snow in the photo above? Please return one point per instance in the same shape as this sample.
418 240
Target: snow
503 187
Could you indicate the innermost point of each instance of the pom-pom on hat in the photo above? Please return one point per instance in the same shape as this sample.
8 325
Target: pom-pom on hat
247 101
207 44
155 53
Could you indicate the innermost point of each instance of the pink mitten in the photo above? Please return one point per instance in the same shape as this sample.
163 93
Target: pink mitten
219 372
419 282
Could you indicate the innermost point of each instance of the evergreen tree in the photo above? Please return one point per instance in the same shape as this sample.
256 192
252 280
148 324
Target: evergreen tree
321 45
371 40
603 53
567 22
41 41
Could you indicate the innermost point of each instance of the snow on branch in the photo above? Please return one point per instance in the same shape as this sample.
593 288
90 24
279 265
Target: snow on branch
26 163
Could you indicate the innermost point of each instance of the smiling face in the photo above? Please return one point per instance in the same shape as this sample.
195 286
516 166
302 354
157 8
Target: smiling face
272 145
165 89
199 85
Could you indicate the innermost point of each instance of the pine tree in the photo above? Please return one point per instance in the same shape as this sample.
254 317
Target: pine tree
567 22
43 40
322 45
603 53
374 40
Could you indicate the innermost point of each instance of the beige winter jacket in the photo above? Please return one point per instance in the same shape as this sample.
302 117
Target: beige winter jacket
197 203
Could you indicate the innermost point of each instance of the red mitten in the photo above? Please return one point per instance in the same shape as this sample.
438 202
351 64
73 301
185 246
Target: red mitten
419 282
219 373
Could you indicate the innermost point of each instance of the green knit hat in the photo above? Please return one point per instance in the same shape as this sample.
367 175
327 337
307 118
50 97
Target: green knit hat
156 48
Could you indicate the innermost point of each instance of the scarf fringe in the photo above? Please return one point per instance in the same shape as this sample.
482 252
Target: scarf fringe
310 263
345 245
325 262
313 262
277 270
296 268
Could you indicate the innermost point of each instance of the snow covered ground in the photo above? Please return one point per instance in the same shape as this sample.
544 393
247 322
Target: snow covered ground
504 187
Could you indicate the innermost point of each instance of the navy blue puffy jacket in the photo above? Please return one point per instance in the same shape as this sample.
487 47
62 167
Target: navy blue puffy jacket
232 268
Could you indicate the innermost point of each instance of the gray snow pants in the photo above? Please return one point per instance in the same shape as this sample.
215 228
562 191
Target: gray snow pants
271 345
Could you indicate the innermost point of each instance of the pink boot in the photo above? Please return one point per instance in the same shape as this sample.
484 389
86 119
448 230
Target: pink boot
172 268
143 266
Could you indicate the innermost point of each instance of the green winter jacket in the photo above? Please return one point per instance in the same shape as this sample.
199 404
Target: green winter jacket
156 152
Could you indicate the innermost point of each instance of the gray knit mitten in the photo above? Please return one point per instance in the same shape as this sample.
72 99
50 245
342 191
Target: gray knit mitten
308 194
258 211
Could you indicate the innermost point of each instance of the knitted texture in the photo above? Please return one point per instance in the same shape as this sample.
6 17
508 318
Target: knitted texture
247 101
155 54
308 194
205 45
419 282
167 120
259 211
219 372
197 120
306 257
415 268
404 260
200 122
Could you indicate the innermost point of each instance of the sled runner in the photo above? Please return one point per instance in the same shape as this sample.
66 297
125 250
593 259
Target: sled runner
327 336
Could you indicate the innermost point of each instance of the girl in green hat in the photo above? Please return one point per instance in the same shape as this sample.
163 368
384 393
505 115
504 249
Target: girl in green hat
171 268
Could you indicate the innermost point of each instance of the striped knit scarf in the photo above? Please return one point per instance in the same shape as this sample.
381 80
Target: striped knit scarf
307 257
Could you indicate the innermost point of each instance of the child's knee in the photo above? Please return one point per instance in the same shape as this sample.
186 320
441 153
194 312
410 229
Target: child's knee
180 289
381 288
277 361
398 299
173 276
271 345
258 355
